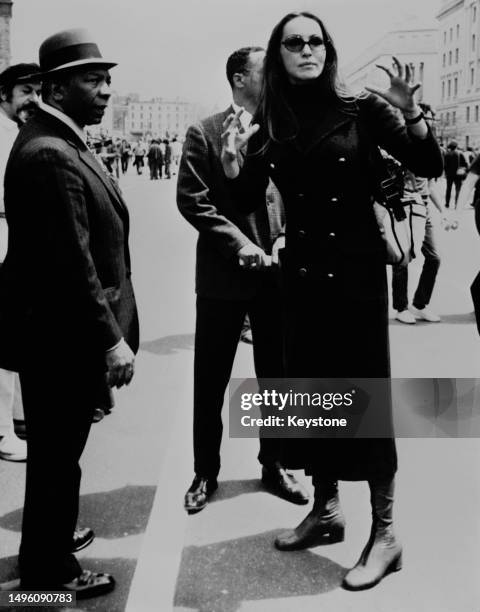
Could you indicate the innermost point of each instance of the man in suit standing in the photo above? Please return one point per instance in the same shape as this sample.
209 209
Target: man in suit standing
232 280
19 97
66 296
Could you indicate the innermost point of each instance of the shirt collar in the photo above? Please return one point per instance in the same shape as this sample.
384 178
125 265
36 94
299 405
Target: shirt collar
51 110
245 117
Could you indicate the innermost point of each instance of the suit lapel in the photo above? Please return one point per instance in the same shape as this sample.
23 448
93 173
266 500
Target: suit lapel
89 160
86 157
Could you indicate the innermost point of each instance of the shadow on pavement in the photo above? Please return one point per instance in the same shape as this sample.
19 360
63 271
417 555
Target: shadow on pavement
113 514
222 576
228 489
168 345
460 318
121 569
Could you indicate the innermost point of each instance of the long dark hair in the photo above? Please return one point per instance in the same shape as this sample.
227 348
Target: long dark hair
274 112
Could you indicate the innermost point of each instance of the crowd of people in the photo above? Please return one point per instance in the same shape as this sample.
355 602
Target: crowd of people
280 187
161 155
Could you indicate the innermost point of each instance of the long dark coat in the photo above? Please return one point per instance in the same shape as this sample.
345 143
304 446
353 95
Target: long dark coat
334 270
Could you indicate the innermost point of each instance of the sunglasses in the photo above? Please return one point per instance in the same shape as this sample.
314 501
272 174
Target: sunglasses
296 43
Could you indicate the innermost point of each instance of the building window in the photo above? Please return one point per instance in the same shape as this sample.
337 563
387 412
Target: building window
473 42
472 75
455 86
467 116
454 117
449 88
456 55
447 120
476 113
443 91
449 58
474 16
444 61
445 37
458 30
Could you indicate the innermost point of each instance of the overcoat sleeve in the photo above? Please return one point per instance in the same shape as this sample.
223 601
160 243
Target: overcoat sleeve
422 156
194 195
67 231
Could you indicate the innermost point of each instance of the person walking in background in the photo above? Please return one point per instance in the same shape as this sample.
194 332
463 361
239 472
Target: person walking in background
455 167
19 98
167 158
176 153
232 251
154 159
125 151
472 185
139 154
419 191
72 311
317 144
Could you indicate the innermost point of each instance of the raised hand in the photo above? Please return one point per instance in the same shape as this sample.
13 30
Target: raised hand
234 138
401 91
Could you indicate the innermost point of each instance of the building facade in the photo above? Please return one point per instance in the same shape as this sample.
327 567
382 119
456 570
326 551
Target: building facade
5 17
459 55
412 43
159 118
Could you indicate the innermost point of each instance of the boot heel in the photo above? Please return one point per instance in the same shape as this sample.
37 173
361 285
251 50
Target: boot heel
396 564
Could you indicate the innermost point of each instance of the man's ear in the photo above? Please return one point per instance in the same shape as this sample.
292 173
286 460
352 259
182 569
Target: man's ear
238 80
3 94
57 91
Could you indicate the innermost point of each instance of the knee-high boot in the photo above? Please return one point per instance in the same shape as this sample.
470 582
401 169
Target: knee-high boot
383 553
323 525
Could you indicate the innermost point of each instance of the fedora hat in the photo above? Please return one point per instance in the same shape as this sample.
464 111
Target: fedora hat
69 49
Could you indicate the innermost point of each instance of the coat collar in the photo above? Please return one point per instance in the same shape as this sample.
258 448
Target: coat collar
85 156
330 121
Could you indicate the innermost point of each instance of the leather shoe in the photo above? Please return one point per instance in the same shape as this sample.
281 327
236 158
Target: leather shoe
82 537
284 484
90 584
196 498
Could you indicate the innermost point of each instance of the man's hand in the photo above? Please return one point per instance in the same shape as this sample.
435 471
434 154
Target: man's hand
120 365
234 138
252 257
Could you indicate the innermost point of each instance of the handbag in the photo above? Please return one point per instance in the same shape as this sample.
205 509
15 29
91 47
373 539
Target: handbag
401 223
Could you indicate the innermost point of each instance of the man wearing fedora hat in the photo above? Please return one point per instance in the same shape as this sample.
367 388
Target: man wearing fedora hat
19 97
66 291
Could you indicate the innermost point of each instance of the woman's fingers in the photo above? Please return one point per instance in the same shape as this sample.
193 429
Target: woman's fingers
385 69
398 66
408 73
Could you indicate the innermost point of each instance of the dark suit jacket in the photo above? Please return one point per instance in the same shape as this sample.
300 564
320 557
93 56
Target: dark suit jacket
204 199
65 282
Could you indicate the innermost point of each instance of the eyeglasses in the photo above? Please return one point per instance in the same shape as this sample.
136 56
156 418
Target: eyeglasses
296 43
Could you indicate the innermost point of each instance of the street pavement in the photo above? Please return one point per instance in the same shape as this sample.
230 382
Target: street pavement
138 460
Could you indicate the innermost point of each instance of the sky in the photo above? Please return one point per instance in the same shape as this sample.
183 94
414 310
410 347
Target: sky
173 48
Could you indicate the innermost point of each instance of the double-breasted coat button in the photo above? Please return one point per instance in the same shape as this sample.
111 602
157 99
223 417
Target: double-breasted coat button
330 275
332 234
341 159
272 165
302 233
303 271
334 200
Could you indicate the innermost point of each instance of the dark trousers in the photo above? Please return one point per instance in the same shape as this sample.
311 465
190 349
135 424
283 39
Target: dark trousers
58 414
427 278
125 159
218 326
452 180
154 166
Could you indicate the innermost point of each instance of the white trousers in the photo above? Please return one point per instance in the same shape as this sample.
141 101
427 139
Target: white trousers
7 389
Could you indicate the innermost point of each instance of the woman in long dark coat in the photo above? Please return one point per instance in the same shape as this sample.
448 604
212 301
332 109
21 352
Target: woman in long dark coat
317 144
